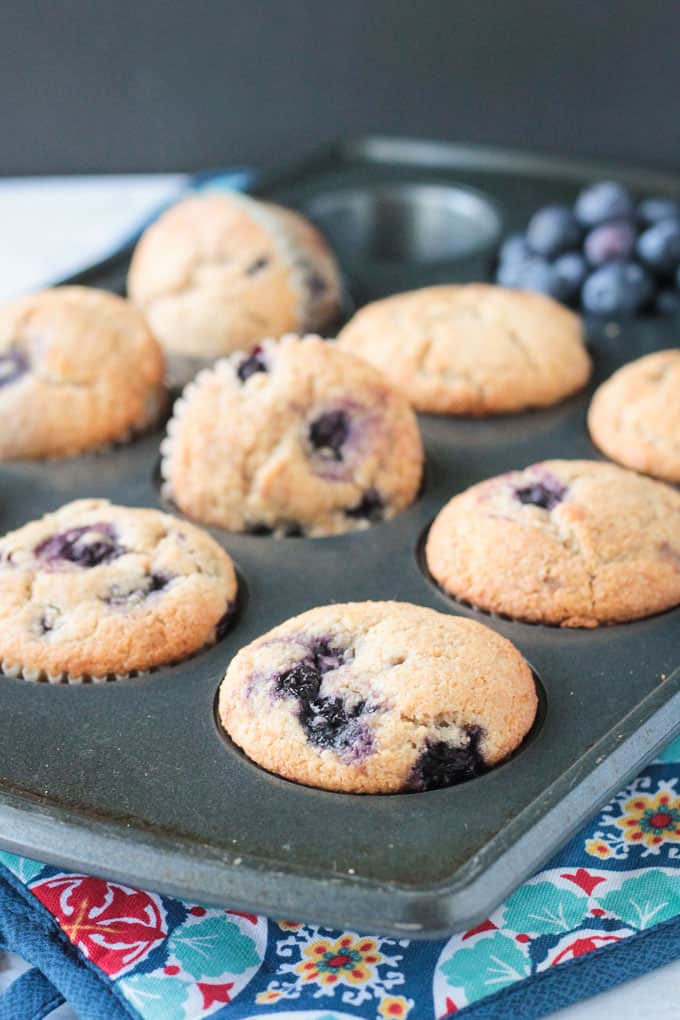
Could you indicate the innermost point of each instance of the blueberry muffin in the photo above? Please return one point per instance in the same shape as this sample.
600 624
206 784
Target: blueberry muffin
96 591
295 437
576 543
378 697
79 368
634 417
472 349
221 272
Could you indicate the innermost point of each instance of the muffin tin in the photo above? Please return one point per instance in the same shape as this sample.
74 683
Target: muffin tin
134 780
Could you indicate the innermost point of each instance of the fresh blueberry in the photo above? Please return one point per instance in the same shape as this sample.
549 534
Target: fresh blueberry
570 271
651 210
329 432
371 507
258 265
87 546
545 494
602 201
659 246
667 302
514 247
531 273
253 363
441 764
552 230
609 242
508 271
13 364
618 289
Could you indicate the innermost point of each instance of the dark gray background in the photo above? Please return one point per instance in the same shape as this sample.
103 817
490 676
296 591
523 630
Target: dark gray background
157 85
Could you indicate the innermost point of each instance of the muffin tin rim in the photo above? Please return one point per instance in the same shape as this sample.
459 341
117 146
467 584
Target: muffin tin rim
427 921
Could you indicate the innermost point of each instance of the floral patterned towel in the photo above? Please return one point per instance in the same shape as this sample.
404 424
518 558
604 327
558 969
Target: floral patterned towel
606 907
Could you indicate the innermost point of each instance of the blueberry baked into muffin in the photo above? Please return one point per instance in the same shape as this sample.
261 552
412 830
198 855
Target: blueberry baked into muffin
79 369
378 697
221 272
295 437
577 543
472 349
95 590
634 417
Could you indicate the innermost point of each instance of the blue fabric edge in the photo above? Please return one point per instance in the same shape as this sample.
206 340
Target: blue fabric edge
565 986
29 930
31 996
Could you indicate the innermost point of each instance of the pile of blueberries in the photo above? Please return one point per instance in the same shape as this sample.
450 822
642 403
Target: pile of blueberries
606 255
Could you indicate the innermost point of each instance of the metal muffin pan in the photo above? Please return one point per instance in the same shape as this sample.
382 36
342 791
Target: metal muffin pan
133 780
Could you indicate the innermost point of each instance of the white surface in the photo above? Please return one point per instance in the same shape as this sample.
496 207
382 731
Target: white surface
54 226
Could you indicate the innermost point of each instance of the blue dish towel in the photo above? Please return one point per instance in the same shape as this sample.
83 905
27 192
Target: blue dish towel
606 908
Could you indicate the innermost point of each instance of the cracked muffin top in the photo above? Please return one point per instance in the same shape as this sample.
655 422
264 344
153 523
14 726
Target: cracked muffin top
296 437
472 349
576 543
79 368
218 273
634 417
378 697
95 590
